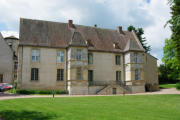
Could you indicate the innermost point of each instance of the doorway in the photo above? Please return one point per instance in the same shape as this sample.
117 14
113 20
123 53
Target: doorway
114 91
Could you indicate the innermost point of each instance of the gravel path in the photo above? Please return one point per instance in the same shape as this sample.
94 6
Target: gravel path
11 96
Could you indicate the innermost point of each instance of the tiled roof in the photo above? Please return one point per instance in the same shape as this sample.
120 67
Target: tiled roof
60 35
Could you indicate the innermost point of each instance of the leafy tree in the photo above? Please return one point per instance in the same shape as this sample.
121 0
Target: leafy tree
140 32
175 27
171 62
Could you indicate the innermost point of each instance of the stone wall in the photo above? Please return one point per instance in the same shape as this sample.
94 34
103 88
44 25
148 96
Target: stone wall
6 61
47 69
151 73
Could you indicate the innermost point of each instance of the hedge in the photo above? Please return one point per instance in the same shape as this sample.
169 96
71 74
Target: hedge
178 86
27 92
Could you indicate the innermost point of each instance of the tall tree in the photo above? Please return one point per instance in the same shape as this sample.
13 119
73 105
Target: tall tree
175 27
140 32
171 61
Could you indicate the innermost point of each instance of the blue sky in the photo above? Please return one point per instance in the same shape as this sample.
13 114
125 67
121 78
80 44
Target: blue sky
151 15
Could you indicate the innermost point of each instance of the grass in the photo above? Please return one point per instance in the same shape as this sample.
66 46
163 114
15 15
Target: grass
145 107
165 86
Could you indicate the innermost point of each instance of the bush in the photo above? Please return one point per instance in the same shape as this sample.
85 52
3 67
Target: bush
28 92
178 86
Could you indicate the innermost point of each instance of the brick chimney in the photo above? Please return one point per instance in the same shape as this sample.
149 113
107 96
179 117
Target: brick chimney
70 23
119 29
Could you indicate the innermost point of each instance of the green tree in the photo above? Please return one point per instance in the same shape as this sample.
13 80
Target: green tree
140 32
171 61
175 27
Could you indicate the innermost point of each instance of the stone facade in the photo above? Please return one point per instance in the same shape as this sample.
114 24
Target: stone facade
118 62
6 62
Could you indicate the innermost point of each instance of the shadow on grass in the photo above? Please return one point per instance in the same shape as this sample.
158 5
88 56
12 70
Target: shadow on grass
25 115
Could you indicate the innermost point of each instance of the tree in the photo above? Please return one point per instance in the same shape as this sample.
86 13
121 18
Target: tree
171 61
175 27
140 32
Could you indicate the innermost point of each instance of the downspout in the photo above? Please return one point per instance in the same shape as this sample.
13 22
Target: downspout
66 69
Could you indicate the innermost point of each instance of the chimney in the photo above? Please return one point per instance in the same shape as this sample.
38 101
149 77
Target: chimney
70 23
95 25
119 29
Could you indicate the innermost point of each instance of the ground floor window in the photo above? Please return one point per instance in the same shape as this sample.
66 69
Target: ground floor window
34 74
118 75
60 74
79 73
90 75
1 78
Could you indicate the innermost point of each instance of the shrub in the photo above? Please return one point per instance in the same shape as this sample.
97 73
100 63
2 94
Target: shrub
27 92
178 86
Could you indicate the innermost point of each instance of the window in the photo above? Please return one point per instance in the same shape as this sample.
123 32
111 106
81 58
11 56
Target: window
135 57
60 56
79 54
90 58
1 78
34 74
35 55
15 66
60 74
79 73
118 59
137 74
118 75
90 75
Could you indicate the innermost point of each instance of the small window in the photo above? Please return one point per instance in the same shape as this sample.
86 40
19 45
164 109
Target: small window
1 78
79 54
15 66
135 57
60 56
118 60
34 74
90 75
79 73
35 55
118 75
137 74
90 58
60 74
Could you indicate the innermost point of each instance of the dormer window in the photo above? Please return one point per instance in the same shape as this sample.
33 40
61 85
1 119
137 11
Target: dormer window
115 45
89 43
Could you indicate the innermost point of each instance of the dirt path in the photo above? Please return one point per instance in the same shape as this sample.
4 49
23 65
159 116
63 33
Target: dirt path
11 96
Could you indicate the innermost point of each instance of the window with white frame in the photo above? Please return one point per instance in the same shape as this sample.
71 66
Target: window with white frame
35 55
60 56
79 54
137 74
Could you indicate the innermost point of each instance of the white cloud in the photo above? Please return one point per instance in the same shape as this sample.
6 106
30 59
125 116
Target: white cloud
10 33
105 13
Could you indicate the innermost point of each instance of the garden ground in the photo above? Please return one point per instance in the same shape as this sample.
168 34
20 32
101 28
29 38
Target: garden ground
130 107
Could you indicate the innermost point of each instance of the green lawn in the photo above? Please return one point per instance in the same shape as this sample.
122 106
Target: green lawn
145 107
165 86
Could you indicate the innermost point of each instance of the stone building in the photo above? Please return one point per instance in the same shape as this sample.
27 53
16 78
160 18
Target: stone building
13 43
6 62
83 59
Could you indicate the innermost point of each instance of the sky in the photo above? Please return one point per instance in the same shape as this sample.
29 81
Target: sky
151 15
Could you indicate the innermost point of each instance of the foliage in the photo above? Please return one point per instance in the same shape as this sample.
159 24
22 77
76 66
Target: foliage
135 107
175 28
178 86
171 67
165 86
140 32
27 92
